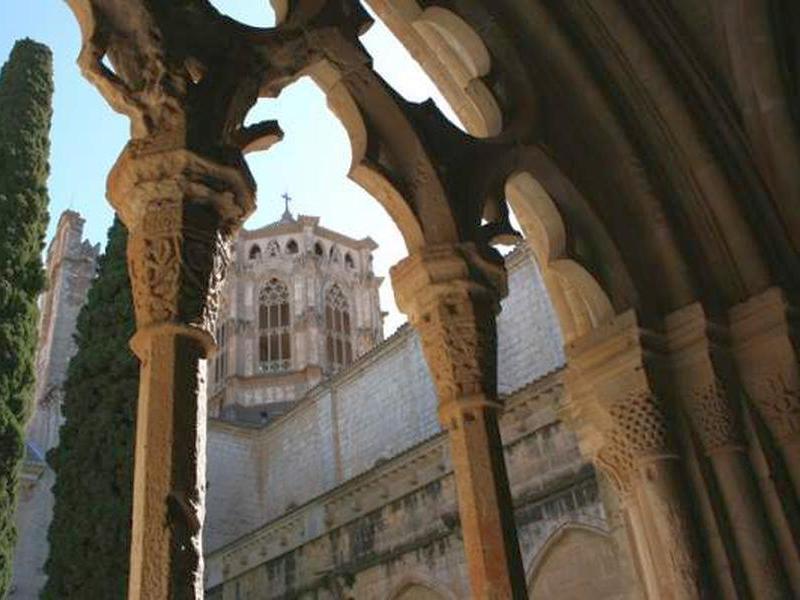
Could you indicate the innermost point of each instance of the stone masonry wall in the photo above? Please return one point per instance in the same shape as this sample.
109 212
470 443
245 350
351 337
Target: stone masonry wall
397 525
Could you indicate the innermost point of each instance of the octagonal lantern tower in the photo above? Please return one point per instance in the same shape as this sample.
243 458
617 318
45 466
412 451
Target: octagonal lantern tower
300 303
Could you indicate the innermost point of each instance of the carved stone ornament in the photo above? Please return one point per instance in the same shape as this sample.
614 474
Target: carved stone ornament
714 418
452 296
639 433
779 405
181 211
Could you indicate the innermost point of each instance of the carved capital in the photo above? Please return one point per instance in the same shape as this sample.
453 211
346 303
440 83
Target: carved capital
767 360
619 420
713 417
699 365
638 434
451 295
181 211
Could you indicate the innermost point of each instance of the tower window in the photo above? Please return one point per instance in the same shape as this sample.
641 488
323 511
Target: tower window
221 358
318 249
349 262
255 252
273 248
275 344
291 247
338 345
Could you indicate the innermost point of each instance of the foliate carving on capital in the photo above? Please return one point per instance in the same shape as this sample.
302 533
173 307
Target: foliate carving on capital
639 432
451 294
177 256
205 258
459 338
154 262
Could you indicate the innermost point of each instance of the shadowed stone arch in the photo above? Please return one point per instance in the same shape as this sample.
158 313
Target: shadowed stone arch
420 587
577 561
579 301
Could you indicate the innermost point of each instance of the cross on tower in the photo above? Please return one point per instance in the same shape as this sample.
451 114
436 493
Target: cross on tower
286 214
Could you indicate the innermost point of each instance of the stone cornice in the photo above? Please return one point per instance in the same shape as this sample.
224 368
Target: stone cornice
299 226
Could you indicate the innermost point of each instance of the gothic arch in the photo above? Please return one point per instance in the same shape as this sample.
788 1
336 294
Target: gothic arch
275 339
579 301
658 167
339 316
414 581
575 544
354 116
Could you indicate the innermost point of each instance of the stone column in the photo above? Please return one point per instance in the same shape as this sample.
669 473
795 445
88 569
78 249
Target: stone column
702 383
767 360
181 211
621 423
451 295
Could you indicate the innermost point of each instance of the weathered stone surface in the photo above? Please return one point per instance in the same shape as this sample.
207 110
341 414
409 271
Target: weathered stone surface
396 525
70 270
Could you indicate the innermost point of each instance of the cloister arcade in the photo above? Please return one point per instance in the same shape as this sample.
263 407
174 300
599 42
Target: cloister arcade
653 167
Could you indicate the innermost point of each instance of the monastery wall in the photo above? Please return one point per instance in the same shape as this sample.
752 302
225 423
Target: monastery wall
393 532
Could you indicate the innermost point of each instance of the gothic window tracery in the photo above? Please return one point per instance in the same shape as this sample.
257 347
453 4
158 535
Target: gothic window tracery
318 250
273 248
338 343
221 358
291 247
255 252
348 261
275 344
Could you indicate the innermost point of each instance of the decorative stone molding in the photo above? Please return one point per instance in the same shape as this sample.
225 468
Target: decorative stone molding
714 418
699 364
451 295
704 386
622 424
768 365
780 405
639 433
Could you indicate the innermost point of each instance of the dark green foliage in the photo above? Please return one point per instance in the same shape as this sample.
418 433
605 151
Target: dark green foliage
26 90
90 532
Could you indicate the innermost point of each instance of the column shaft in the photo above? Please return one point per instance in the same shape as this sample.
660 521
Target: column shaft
451 294
169 475
767 360
485 506
181 210
698 368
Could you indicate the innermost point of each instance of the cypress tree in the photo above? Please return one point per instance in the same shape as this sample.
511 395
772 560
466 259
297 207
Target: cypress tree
90 531
26 90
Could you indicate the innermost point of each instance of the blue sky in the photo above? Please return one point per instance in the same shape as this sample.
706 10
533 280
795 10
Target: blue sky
311 163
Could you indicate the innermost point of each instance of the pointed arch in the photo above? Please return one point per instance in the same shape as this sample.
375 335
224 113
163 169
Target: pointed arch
417 582
579 559
338 329
274 327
